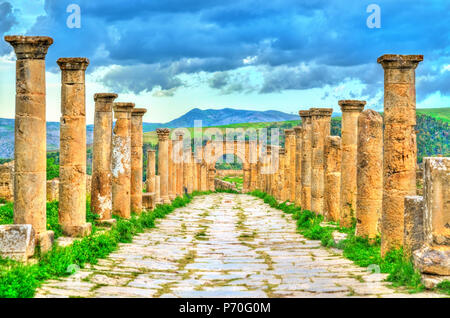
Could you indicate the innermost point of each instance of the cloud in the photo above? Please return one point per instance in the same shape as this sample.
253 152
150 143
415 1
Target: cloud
293 44
7 21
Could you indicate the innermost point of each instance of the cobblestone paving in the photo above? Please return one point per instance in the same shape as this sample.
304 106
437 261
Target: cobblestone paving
224 245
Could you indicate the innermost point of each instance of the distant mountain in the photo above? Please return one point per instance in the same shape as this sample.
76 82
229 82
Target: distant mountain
227 116
209 117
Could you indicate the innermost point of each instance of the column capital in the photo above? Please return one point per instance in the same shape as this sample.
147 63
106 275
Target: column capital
73 63
321 112
138 112
304 113
104 102
163 133
289 132
298 130
123 107
352 105
151 150
29 47
400 61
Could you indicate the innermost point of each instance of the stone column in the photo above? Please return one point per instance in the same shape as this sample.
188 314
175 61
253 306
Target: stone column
151 171
203 176
101 193
179 164
30 136
246 182
292 167
137 143
321 125
188 171
172 173
306 159
332 193
163 163
158 199
281 193
369 174
434 256
298 166
269 171
211 177
399 144
72 169
350 113
195 173
121 160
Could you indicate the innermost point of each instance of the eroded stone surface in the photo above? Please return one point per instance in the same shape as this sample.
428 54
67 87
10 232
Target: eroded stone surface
223 245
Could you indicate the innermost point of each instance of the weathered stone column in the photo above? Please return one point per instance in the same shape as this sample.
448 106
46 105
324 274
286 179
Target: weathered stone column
101 187
298 165
179 164
172 173
321 126
203 176
399 144
30 136
163 163
267 184
53 190
306 159
349 132
158 199
369 173
333 152
289 146
211 177
188 171
434 256
151 170
281 191
72 169
121 160
137 142
195 173
246 182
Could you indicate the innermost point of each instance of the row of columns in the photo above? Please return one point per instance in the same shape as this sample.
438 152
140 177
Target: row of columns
117 156
363 176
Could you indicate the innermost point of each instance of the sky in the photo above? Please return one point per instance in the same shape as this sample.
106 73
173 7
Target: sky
175 55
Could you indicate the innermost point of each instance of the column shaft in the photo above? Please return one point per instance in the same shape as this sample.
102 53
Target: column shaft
101 187
369 174
163 163
332 177
399 144
121 160
137 142
306 159
72 169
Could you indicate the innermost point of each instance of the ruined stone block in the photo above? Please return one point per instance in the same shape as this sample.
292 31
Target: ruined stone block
413 239
17 241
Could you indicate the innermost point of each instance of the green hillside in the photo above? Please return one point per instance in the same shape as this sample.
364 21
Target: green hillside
437 113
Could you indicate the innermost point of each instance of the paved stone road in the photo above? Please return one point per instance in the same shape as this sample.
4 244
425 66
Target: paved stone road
223 245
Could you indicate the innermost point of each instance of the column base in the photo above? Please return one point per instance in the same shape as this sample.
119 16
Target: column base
172 197
78 230
45 240
433 260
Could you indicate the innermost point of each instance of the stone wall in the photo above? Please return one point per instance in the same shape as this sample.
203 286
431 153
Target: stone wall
7 181
227 173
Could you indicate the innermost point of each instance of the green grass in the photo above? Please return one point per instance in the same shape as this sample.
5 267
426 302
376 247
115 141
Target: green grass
19 280
362 252
437 113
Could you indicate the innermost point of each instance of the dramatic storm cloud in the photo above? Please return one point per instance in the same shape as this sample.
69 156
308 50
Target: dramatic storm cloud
247 45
